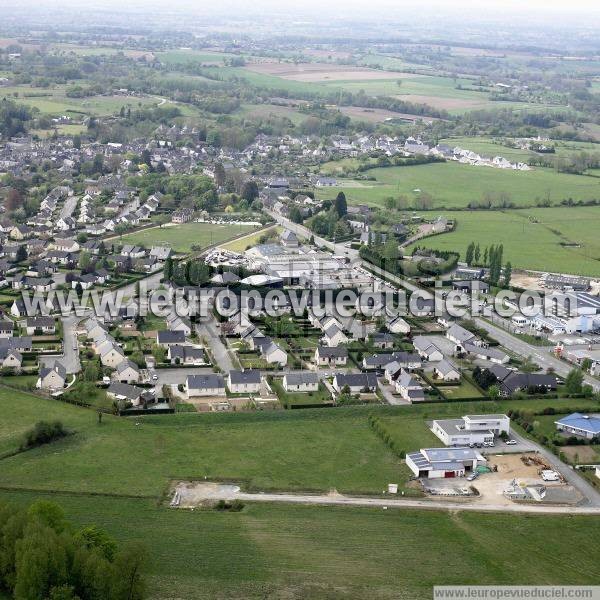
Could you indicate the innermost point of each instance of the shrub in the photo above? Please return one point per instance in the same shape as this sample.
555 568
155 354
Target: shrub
43 432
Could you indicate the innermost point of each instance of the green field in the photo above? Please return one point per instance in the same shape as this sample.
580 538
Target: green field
182 237
114 475
246 242
54 102
529 244
275 551
454 185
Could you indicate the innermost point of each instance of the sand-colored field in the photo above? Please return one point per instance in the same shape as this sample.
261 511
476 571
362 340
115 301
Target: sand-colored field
319 72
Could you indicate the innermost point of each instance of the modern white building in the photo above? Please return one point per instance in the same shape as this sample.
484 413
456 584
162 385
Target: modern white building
470 429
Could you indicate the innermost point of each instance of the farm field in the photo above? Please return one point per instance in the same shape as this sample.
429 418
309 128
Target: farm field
455 185
315 552
54 102
529 244
182 237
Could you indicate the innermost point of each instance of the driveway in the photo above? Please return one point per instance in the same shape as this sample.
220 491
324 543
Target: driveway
207 330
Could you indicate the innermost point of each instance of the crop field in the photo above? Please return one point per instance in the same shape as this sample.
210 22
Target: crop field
455 185
182 237
532 238
174 57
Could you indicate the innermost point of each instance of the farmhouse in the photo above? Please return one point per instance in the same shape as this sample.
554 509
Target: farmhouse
443 462
585 426
303 381
471 429
244 382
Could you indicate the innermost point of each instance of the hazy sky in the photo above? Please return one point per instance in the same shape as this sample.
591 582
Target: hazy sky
523 13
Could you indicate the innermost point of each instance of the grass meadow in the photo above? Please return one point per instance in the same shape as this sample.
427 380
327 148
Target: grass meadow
455 185
182 237
115 475
532 238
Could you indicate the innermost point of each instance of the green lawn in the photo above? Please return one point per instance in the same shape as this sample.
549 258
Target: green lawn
182 237
277 551
532 238
455 185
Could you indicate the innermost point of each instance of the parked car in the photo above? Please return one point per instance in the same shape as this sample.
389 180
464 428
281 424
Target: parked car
474 475
511 443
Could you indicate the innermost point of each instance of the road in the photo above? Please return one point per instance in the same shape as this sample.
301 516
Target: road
222 358
69 207
212 492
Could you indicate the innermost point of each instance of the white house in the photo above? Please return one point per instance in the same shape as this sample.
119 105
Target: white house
210 384
446 371
470 429
244 382
303 381
127 372
427 349
446 463
52 378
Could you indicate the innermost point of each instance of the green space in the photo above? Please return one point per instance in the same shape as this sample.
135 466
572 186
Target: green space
338 552
456 392
182 237
546 239
54 101
291 399
456 185
251 240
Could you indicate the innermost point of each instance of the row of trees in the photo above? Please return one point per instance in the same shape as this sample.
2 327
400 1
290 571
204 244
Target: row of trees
492 258
42 556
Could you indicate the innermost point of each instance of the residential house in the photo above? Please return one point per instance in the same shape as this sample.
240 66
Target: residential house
7 329
427 349
125 392
331 356
580 425
170 338
446 371
10 358
40 325
409 387
52 378
356 382
302 381
244 382
186 355
471 429
210 384
127 372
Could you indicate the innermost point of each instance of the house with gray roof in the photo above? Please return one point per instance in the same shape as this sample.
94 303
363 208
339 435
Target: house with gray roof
302 381
244 382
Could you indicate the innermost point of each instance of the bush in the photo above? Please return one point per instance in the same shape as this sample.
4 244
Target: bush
43 432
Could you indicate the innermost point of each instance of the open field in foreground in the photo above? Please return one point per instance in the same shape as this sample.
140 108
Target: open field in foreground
454 185
533 238
182 237
338 552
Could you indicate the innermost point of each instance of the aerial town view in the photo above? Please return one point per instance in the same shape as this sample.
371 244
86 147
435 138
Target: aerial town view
299 300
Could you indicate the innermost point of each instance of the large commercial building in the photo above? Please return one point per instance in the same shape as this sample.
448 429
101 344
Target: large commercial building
470 429
443 462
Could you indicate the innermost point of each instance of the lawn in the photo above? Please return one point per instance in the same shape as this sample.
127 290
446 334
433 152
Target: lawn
278 551
455 185
291 399
464 390
538 239
182 237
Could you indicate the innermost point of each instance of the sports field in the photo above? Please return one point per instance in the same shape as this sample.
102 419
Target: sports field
543 239
182 237
455 185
